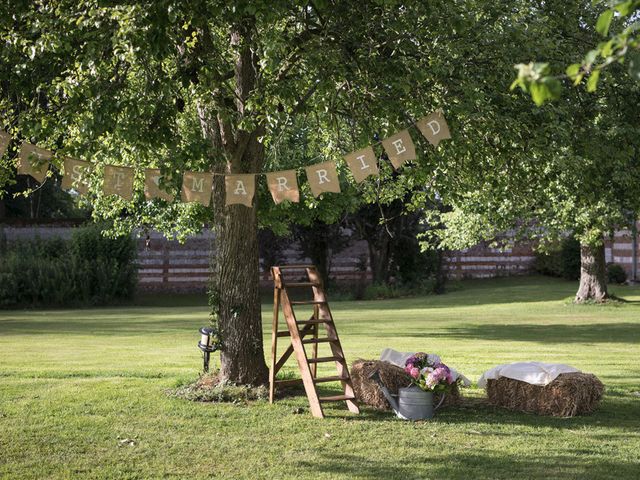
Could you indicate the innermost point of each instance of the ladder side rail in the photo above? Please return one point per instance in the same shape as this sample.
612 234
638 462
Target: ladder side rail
336 347
301 356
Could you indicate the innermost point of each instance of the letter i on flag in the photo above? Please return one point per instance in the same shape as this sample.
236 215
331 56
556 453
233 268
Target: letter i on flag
362 163
5 139
196 187
434 127
399 148
240 189
323 177
283 186
118 181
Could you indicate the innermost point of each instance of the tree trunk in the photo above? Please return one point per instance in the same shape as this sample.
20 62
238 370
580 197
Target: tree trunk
239 322
235 298
593 275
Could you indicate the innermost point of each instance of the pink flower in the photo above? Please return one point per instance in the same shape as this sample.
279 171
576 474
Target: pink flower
414 372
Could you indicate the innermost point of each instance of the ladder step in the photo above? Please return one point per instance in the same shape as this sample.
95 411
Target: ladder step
308 302
319 340
300 284
325 359
315 321
295 267
336 398
333 378
289 381
283 334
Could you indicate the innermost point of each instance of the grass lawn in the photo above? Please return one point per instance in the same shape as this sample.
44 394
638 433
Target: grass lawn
72 383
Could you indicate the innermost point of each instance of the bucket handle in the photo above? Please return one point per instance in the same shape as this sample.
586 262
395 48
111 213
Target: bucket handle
440 402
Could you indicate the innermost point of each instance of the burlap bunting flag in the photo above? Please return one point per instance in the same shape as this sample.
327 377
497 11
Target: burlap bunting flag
118 181
34 161
240 189
323 177
362 163
5 139
76 173
196 187
152 188
399 148
434 127
283 186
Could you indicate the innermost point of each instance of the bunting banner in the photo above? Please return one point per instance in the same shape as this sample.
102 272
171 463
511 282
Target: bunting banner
362 163
76 175
34 161
323 177
434 128
196 187
118 181
240 189
283 186
399 148
5 139
152 188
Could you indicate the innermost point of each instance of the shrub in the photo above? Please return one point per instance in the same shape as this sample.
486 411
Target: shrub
563 261
616 273
88 269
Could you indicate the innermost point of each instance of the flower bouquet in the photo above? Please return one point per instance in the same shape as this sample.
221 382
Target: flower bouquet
429 373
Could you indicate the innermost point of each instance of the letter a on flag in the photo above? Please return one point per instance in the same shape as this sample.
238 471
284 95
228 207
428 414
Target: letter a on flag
240 189
399 148
362 163
118 181
323 177
434 127
196 187
283 186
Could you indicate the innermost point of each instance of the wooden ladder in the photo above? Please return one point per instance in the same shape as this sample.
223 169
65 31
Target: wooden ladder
298 330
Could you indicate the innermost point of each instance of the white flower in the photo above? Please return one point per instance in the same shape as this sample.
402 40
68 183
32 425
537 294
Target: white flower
432 358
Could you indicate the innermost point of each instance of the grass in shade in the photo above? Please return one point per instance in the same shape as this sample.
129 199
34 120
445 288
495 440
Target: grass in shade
82 393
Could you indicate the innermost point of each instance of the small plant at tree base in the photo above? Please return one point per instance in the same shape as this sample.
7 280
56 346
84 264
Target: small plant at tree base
616 273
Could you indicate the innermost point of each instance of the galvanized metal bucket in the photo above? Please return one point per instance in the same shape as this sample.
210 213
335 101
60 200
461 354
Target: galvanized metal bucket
416 404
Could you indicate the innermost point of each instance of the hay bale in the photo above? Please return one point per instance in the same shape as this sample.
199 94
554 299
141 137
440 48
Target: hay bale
368 392
568 395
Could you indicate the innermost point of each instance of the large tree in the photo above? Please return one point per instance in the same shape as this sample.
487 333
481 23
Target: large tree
212 86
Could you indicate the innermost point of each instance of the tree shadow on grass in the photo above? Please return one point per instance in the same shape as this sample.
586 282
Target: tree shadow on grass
110 324
421 462
620 411
620 332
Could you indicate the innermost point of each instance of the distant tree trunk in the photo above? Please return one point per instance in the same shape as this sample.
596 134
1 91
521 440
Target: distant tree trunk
379 253
593 274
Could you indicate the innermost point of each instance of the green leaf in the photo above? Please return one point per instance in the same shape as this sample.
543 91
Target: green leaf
624 8
604 22
592 82
634 64
591 56
573 70
539 93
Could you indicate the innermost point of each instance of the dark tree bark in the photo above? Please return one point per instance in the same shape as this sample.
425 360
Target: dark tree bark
593 275
235 258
